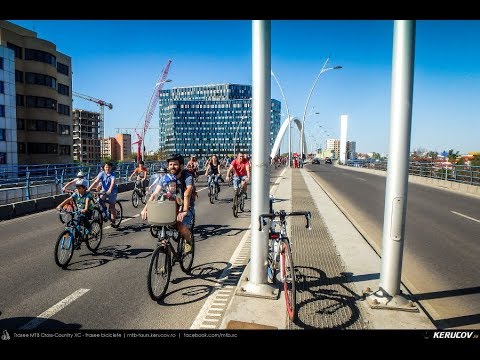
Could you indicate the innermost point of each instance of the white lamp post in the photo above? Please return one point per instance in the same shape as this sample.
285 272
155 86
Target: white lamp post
289 121
236 132
323 70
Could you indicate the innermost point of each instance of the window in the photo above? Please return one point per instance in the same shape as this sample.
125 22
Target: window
1 63
2 135
18 76
64 109
3 158
16 49
20 124
62 69
41 102
2 110
2 87
63 89
20 100
40 79
39 55
64 149
64 129
21 147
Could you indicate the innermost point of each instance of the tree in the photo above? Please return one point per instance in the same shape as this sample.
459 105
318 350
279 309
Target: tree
433 155
475 161
452 155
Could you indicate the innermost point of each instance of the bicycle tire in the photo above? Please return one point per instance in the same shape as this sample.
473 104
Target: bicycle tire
159 272
242 202
135 198
186 260
235 205
95 237
66 217
97 215
288 275
271 266
143 198
64 248
119 213
211 194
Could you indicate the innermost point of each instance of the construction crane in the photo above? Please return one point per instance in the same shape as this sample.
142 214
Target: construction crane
150 109
101 104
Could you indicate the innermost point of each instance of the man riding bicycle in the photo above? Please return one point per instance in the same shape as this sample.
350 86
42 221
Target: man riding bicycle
185 195
109 187
141 172
241 169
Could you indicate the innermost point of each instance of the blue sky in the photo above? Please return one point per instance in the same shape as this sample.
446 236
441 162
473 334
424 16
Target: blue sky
120 61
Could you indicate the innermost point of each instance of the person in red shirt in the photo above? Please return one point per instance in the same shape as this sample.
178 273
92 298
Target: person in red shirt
241 170
141 172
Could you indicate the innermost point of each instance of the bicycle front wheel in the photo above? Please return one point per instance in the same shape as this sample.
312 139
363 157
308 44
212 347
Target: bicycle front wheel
288 275
235 205
186 261
65 217
212 193
159 273
135 198
64 248
94 238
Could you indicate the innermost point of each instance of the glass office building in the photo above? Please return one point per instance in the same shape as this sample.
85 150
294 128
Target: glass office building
210 119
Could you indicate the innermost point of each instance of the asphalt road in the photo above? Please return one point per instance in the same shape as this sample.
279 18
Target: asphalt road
108 290
442 240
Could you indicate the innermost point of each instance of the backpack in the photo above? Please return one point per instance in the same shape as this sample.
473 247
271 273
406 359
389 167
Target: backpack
183 177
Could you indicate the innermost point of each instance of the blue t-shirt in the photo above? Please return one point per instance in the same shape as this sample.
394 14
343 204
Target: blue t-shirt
188 181
106 180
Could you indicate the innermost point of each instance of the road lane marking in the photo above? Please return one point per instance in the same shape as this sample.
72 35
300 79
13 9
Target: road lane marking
468 217
32 324
360 178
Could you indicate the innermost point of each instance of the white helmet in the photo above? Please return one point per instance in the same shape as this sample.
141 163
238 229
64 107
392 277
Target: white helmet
80 174
82 182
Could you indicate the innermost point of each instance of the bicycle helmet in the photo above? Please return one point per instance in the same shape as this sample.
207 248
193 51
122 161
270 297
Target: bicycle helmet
176 157
80 174
162 170
83 183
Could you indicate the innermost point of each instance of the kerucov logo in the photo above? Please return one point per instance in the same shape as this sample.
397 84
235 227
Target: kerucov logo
455 335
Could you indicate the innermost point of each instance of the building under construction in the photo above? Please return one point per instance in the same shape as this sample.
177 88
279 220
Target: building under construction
86 140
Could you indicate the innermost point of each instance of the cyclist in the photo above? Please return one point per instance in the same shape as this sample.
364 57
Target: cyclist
192 166
185 193
158 180
109 187
213 170
241 169
141 172
84 202
80 176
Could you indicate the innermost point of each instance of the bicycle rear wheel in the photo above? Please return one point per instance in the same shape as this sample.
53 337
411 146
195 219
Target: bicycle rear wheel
211 194
186 261
119 213
159 272
288 275
95 237
64 248
135 198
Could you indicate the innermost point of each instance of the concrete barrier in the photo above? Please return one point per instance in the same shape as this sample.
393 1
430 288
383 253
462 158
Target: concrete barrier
6 212
24 207
45 203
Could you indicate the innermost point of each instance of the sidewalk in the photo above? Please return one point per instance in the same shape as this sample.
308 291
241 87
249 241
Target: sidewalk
333 265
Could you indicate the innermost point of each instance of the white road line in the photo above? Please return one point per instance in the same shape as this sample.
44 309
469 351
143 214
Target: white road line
202 189
360 178
32 324
136 215
465 216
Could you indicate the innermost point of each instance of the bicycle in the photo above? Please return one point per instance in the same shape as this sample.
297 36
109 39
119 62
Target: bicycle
138 194
280 254
73 235
213 189
238 201
101 212
64 216
164 258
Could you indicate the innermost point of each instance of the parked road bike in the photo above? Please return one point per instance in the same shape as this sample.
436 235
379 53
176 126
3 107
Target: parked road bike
101 210
74 234
164 258
280 253
138 194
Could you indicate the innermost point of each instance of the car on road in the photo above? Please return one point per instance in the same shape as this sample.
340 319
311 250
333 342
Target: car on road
328 161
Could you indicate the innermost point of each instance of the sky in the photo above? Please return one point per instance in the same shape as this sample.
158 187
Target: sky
119 61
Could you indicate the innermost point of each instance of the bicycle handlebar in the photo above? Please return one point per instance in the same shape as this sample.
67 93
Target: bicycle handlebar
282 215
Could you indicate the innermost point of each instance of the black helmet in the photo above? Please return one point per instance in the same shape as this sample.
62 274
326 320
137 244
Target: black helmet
176 157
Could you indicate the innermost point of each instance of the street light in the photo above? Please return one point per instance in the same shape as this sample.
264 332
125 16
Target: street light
323 70
144 130
289 122
236 132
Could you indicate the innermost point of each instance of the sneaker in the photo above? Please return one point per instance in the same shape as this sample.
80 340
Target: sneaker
245 195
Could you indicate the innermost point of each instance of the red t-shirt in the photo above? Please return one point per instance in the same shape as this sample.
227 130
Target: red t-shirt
240 168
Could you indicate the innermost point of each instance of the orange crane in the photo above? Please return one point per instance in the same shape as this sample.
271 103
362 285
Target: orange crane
102 104
150 109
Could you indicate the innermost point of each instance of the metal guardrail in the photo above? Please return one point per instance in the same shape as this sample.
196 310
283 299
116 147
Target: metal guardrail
458 173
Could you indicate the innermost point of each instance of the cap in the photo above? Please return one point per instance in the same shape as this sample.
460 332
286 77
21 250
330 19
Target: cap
83 183
80 174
